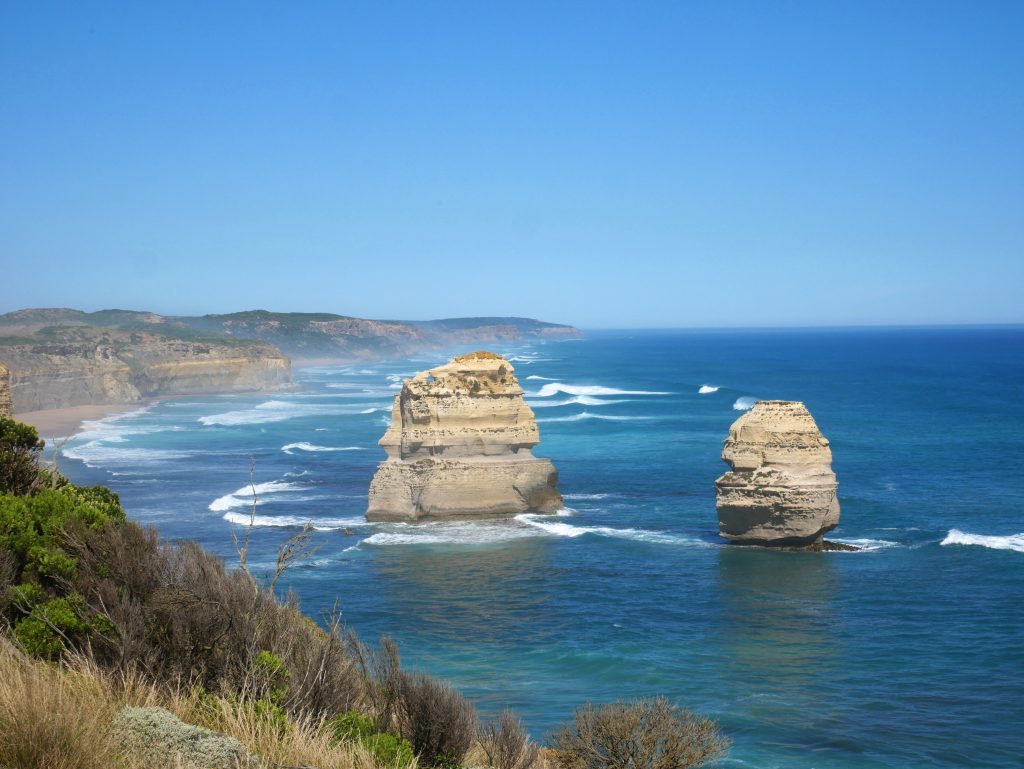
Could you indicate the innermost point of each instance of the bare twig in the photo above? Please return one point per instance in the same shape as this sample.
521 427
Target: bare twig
243 548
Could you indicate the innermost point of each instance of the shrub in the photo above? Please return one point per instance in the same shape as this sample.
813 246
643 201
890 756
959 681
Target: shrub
435 718
162 739
387 748
645 734
506 744
20 448
49 625
181 615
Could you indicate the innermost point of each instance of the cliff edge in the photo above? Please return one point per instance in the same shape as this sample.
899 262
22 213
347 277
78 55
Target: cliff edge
460 445
6 406
780 490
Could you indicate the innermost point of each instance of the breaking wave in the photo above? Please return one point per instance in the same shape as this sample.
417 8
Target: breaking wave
587 415
243 496
707 389
558 387
585 496
582 400
865 545
744 404
275 411
476 533
562 529
1009 542
293 521
545 378
303 446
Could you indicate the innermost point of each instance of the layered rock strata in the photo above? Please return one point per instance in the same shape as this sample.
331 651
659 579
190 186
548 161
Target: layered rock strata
6 406
460 445
117 367
780 489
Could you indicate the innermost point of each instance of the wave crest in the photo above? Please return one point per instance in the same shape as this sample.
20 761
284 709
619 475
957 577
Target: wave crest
562 529
587 415
558 387
293 521
744 404
707 389
243 496
303 446
1013 542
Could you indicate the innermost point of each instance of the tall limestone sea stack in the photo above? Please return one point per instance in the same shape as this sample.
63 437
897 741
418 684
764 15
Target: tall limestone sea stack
460 446
780 490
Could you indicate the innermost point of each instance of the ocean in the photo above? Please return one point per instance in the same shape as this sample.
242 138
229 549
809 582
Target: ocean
909 653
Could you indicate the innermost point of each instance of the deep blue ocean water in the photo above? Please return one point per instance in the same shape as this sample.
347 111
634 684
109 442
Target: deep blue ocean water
907 654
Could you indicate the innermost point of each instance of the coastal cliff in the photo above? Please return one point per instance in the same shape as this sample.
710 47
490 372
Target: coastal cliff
59 358
92 367
460 445
6 407
327 337
780 489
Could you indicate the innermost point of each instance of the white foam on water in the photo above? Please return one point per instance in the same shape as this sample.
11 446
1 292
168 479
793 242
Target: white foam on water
864 544
707 389
561 529
277 411
559 387
294 521
107 441
370 410
582 400
243 496
744 404
585 496
303 446
476 533
545 378
97 453
1013 542
587 415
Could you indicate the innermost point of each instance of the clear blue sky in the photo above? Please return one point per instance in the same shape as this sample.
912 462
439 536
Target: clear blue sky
602 164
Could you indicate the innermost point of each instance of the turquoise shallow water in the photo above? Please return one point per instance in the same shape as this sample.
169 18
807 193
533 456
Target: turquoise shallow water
909 654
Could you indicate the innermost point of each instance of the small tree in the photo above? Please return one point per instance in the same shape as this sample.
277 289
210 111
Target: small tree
645 734
435 718
20 447
506 743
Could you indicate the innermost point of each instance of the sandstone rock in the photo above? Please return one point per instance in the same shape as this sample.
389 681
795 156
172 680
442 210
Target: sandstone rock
122 367
460 445
159 738
780 490
6 406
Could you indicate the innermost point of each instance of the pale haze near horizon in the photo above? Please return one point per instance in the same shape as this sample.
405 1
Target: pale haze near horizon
642 165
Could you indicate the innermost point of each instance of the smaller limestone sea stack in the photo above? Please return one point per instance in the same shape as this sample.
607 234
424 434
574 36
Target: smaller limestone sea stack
460 446
780 490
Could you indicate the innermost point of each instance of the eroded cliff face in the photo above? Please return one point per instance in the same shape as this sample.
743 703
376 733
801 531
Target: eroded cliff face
6 407
460 445
118 367
780 490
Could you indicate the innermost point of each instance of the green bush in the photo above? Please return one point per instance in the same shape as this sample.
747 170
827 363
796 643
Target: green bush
44 631
20 447
387 748
34 528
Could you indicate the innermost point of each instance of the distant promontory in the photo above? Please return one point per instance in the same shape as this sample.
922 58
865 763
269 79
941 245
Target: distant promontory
58 358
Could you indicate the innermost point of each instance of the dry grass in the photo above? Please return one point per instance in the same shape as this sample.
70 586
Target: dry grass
59 717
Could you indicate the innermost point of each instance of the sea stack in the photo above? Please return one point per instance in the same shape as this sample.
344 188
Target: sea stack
780 490
460 446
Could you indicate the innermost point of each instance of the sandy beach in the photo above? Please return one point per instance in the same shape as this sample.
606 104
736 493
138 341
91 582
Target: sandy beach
63 423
